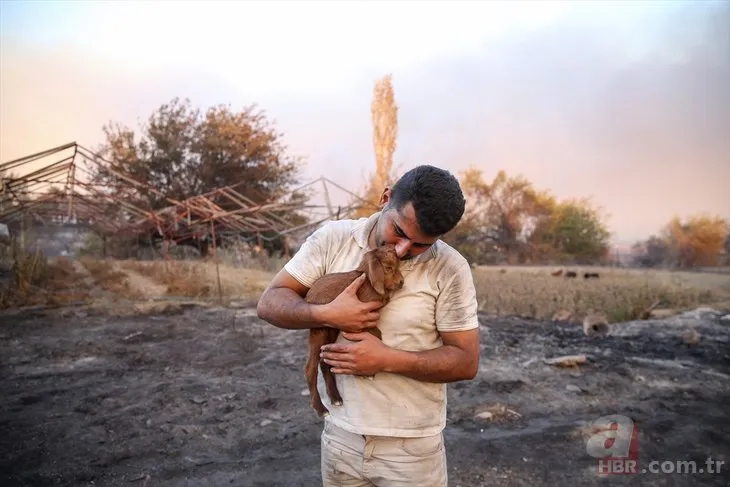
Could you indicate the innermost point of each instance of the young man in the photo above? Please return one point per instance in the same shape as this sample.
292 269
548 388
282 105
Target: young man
388 431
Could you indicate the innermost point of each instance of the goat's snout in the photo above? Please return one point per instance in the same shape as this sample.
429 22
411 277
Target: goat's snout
399 283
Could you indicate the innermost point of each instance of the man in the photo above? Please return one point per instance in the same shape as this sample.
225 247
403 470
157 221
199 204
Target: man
388 431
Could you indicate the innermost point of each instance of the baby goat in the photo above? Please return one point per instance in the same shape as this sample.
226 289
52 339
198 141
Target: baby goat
382 268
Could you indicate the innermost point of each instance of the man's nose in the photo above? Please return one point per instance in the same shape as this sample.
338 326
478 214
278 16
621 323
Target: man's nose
402 247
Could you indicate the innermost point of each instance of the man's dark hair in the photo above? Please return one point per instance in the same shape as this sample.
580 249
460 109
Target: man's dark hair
436 197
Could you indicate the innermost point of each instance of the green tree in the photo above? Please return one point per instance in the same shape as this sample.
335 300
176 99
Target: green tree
509 220
579 233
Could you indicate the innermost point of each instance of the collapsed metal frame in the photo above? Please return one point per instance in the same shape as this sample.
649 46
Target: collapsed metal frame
62 192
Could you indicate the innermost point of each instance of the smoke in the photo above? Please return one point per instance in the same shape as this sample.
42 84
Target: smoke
631 109
637 117
629 105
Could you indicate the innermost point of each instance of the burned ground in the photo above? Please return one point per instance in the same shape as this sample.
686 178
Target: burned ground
202 396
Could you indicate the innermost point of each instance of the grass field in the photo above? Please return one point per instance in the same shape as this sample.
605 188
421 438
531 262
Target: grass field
621 294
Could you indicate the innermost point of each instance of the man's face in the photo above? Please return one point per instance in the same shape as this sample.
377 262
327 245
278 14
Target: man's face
401 229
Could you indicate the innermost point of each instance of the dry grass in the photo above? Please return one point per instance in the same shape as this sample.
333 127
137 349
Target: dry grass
109 278
180 278
34 280
198 279
620 294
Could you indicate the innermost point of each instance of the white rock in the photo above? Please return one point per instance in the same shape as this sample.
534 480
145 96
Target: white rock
529 362
700 313
265 422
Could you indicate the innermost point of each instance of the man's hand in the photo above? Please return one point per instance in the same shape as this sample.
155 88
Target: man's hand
457 359
347 313
366 356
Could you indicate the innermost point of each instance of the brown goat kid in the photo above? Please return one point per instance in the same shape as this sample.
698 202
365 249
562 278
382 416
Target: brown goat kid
382 268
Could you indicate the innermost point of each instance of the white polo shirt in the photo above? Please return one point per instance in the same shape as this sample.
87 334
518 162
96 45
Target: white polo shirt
438 295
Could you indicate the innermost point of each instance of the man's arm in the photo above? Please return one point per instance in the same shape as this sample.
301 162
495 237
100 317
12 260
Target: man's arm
457 359
282 304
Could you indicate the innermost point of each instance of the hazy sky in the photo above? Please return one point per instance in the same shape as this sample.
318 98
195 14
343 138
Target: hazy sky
625 102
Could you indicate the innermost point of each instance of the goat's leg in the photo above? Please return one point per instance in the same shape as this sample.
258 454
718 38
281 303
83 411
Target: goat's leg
317 338
329 378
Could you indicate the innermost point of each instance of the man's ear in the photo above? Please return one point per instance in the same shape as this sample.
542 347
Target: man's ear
384 197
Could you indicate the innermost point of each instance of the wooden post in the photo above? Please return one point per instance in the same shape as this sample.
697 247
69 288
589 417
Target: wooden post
217 269
330 211
286 247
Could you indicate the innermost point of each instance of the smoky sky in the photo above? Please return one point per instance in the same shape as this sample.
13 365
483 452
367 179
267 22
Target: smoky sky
632 111
583 109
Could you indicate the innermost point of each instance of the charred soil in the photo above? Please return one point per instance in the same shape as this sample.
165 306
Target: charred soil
202 396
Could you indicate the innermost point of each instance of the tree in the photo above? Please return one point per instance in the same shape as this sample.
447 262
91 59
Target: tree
499 218
653 252
182 152
384 112
509 220
697 242
579 233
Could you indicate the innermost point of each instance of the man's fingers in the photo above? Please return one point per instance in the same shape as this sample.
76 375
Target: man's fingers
337 363
356 336
336 347
373 316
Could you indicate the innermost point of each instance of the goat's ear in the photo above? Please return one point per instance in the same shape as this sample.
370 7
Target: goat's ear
376 274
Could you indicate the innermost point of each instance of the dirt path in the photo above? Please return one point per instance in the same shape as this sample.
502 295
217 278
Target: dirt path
143 284
214 397
95 291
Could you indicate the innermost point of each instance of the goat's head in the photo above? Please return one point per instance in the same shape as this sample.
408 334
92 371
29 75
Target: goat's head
382 267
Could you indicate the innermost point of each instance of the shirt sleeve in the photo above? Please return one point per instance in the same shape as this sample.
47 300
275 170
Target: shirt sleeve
456 305
309 263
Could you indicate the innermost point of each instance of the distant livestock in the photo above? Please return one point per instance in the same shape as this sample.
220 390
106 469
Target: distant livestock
590 275
570 274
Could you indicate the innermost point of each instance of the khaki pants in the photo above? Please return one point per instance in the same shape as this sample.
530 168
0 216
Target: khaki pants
351 460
